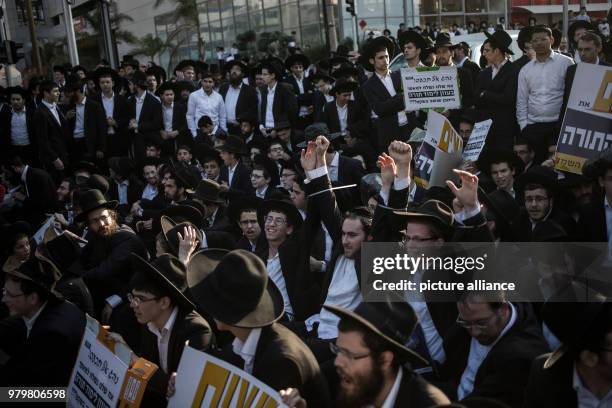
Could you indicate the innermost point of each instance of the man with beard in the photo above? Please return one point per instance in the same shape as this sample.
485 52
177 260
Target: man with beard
491 333
64 198
524 150
372 362
151 202
106 257
240 99
175 188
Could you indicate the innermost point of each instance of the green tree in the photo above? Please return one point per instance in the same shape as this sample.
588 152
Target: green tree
94 23
186 11
149 46
52 52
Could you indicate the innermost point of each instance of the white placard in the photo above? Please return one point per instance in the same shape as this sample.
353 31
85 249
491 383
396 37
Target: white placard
477 140
431 87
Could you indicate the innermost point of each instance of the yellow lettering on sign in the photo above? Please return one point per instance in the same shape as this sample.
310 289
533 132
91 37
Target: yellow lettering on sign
231 388
603 101
449 138
245 400
215 376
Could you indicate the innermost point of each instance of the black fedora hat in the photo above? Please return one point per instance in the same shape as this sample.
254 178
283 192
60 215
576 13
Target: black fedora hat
64 252
98 182
490 156
342 85
91 200
297 58
501 40
188 176
370 50
209 191
443 40
544 176
434 211
41 271
106 72
273 67
571 314
346 70
121 165
169 272
86 166
184 212
236 63
233 286
171 230
282 124
167 86
236 207
321 76
412 36
184 64
234 144
315 130
19 90
392 322
284 206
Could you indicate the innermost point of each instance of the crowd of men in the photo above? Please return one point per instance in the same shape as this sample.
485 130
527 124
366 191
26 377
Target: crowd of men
228 206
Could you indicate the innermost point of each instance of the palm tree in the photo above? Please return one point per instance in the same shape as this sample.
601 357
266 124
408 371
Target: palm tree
187 10
149 46
52 52
94 21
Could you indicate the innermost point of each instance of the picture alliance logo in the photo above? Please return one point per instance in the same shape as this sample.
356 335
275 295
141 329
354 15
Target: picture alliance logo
412 264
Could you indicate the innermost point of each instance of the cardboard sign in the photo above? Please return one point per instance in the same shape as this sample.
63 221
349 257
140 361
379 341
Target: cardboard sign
431 87
587 124
101 377
477 140
205 381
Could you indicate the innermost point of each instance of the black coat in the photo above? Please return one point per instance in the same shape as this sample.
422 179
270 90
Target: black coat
474 69
415 392
94 127
149 124
246 106
41 195
241 182
47 356
179 122
503 373
592 225
134 192
282 360
188 326
51 137
6 115
522 230
284 106
303 99
350 171
117 143
331 118
553 387
496 99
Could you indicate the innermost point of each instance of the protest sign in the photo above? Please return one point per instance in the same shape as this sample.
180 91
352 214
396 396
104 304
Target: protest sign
439 154
205 381
430 87
477 140
587 125
101 377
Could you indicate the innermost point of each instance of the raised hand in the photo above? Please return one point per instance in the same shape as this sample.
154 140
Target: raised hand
188 243
467 194
308 157
388 169
400 152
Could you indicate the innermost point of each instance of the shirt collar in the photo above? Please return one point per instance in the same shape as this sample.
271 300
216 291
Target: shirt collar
142 98
30 322
168 107
341 107
49 105
382 77
392 396
125 183
460 64
271 90
501 64
24 172
167 327
607 203
19 112
110 97
247 349
297 79
335 160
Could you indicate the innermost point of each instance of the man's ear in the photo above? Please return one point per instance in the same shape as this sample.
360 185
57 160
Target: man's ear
588 358
289 229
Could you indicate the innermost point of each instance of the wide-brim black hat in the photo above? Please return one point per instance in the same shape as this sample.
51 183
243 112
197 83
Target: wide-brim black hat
64 252
106 72
342 85
17 90
443 40
236 207
570 314
91 200
87 166
233 286
234 144
184 64
209 191
490 156
392 322
284 206
121 165
297 58
171 229
184 212
571 30
538 175
412 36
167 86
345 71
236 62
169 272
273 67
321 76
503 206
501 40
338 59
431 210
370 50
42 272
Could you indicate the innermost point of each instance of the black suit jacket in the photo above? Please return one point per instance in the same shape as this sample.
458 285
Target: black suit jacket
591 225
553 387
119 141
474 69
150 123
303 99
502 375
284 106
94 126
6 115
331 118
134 192
415 392
179 122
46 357
188 326
496 99
51 137
282 360
246 106
41 195
241 182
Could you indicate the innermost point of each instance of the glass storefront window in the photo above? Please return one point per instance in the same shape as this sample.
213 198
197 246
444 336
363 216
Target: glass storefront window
290 16
226 8
213 10
311 35
475 6
427 6
272 19
309 11
448 21
255 5
429 20
370 8
257 21
451 6
242 23
496 6
270 3
394 8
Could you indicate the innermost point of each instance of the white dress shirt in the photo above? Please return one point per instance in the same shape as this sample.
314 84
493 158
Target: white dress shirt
497 68
300 83
122 191
201 104
540 90
460 63
19 128
275 273
24 176
163 337
79 124
30 322
333 167
586 399
231 100
167 115
139 103
342 116
261 192
392 396
149 192
387 81
343 292
109 109
247 349
478 352
269 105
53 109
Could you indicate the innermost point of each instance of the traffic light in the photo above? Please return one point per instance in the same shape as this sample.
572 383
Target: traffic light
350 7
15 51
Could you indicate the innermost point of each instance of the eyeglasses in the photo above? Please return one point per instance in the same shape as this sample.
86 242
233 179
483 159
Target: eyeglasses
11 295
276 221
481 324
350 356
137 300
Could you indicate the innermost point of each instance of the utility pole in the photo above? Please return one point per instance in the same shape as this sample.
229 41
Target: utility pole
35 52
107 34
566 20
73 52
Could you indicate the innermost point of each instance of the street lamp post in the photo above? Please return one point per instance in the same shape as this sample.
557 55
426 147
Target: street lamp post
33 39
107 34
73 52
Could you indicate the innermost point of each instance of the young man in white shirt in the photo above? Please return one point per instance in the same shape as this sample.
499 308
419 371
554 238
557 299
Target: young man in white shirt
206 101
